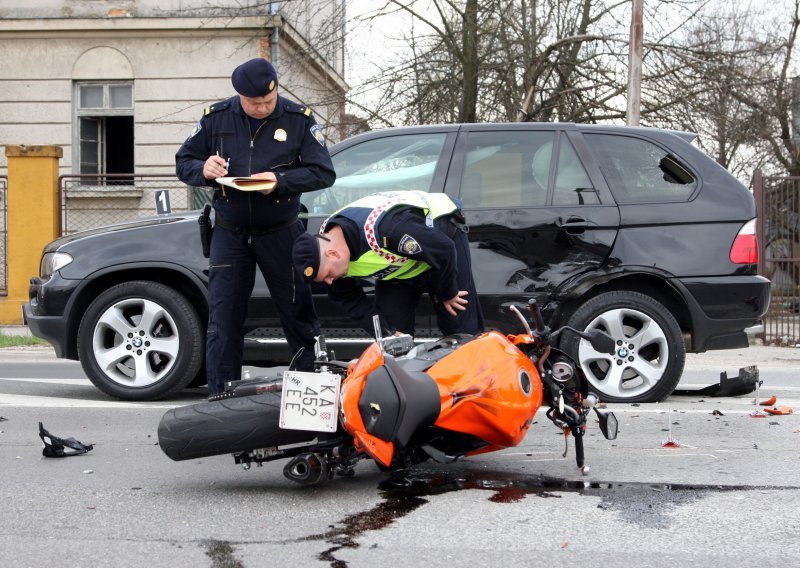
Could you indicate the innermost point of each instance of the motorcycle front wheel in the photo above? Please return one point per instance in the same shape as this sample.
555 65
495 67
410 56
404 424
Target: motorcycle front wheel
226 426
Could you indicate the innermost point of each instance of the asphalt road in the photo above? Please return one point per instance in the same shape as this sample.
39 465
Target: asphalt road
728 493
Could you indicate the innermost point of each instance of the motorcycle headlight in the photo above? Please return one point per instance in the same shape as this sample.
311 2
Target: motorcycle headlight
52 261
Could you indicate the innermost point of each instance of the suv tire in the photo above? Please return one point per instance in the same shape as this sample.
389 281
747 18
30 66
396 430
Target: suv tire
650 353
140 340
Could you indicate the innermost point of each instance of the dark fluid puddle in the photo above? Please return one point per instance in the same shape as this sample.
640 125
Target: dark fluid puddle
404 495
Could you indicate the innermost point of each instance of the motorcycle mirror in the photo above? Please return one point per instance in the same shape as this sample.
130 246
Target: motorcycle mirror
608 423
600 340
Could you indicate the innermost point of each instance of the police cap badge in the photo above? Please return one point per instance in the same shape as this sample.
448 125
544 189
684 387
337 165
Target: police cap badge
305 256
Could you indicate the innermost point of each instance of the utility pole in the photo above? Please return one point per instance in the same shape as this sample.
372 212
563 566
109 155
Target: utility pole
635 64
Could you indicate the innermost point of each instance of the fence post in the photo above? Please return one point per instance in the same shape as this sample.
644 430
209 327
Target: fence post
34 218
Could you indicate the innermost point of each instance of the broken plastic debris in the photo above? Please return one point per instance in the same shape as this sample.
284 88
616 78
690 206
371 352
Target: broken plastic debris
745 383
716 412
55 447
757 413
783 410
770 401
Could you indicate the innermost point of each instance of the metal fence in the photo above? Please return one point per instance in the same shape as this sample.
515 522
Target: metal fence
778 200
3 235
89 201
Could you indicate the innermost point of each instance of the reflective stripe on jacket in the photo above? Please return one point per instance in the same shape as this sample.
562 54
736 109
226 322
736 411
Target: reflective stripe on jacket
375 260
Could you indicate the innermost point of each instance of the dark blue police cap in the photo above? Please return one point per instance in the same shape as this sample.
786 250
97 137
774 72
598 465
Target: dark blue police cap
255 78
305 256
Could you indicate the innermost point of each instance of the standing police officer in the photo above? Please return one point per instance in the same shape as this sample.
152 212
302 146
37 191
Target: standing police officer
263 135
408 242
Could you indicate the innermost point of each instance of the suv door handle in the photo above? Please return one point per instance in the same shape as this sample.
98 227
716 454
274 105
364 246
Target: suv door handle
573 224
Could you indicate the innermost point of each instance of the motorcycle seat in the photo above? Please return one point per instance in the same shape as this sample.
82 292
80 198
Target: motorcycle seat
395 402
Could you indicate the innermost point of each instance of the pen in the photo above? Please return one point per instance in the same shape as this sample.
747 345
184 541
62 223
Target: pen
227 162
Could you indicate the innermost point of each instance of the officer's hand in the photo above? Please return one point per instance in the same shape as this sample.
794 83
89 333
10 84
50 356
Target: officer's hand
266 175
214 167
457 302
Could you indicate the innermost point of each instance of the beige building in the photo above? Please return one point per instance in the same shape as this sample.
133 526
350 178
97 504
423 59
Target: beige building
119 84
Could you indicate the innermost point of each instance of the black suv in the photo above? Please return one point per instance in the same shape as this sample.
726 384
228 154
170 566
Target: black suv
632 230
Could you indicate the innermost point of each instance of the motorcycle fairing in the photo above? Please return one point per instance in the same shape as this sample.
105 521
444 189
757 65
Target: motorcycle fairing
384 404
379 450
488 389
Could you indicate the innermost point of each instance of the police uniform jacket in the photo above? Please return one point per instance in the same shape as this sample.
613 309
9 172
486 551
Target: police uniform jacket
402 230
288 142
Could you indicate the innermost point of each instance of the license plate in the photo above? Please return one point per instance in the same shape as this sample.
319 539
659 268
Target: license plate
310 401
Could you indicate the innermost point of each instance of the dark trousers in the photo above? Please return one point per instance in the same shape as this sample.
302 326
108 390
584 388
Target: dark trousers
232 272
396 299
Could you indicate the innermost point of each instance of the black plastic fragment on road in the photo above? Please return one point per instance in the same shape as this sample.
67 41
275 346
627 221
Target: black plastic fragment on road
55 447
743 384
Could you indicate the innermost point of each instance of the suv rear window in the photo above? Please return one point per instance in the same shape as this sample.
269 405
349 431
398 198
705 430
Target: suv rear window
639 171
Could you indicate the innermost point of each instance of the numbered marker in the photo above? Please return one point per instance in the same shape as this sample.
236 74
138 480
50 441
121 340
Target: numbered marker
162 202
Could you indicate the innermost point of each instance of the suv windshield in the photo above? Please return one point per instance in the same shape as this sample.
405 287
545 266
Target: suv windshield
394 163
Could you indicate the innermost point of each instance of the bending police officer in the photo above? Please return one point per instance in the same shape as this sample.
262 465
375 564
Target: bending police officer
408 242
256 133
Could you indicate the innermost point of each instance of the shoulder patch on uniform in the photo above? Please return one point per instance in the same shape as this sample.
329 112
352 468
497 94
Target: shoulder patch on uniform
197 128
409 246
316 132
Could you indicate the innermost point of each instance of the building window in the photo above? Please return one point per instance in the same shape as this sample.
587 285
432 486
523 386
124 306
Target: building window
103 138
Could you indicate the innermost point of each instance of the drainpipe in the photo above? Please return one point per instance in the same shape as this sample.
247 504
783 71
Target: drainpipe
275 37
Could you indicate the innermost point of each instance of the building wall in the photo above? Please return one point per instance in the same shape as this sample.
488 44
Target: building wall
178 55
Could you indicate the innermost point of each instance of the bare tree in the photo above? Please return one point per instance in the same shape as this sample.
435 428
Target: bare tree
732 74
708 67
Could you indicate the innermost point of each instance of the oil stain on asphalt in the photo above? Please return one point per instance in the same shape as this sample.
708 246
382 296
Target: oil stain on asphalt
644 504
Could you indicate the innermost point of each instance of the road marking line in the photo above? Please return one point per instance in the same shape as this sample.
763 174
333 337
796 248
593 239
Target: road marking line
28 401
81 382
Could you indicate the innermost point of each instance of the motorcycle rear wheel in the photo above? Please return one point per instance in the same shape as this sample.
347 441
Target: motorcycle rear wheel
226 426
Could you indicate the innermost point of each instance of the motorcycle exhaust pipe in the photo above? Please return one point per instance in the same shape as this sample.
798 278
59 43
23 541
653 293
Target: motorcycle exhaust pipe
307 469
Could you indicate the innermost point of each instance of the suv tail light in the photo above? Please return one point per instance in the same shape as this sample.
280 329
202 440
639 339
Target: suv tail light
745 245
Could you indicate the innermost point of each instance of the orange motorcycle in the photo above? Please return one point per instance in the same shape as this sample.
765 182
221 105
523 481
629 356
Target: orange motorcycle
399 404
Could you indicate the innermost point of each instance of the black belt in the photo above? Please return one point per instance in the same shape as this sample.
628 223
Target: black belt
253 231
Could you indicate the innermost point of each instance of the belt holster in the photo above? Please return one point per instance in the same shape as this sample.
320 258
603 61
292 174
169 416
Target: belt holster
206 229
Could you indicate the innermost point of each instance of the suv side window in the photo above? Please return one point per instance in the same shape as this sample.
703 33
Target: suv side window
506 169
639 171
513 169
393 163
573 186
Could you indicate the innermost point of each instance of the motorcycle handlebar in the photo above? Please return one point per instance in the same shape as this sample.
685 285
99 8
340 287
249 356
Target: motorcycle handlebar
579 451
536 316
